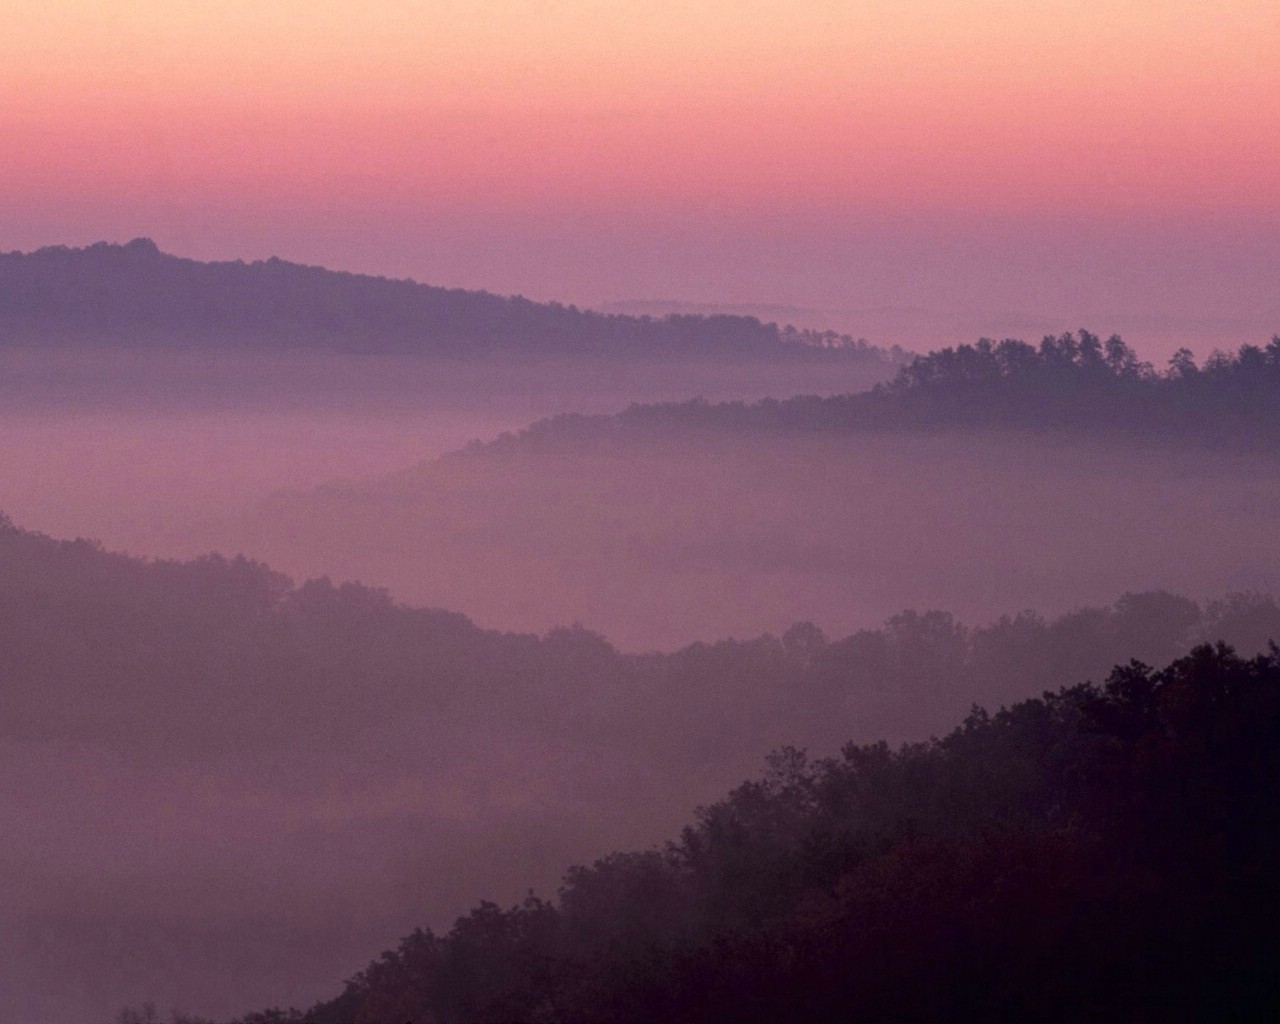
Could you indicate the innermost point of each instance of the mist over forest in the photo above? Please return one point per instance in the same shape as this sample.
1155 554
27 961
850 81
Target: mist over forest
336 610
991 478
524 512
251 785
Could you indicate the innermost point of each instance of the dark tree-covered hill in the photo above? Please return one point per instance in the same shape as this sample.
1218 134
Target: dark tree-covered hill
1102 853
1075 383
134 294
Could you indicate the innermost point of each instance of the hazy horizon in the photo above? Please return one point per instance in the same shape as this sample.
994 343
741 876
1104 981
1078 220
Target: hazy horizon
1163 285
1095 164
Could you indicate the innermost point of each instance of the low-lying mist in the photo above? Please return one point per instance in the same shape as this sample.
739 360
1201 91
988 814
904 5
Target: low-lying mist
235 788
233 791
136 446
657 543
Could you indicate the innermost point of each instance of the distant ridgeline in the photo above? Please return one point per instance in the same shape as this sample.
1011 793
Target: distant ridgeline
1073 383
135 294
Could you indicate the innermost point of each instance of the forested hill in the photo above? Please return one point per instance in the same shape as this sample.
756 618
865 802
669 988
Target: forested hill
1103 853
1075 383
135 294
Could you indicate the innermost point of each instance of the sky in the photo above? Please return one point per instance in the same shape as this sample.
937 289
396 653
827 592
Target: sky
908 165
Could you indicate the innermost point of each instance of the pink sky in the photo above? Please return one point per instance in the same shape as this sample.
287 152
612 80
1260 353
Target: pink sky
1047 159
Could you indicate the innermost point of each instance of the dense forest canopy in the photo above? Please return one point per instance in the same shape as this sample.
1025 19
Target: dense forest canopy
135 294
1102 853
1074 382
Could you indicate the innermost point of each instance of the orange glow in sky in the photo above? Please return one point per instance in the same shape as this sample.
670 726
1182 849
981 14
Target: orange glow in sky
929 102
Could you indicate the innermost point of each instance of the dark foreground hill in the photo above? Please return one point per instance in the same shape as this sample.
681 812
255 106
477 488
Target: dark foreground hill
1103 853
136 295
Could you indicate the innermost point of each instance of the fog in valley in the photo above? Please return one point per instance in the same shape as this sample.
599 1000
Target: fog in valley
658 543
137 447
308 646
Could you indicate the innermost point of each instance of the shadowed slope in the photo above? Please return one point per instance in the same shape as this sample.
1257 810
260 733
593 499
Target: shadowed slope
1104 853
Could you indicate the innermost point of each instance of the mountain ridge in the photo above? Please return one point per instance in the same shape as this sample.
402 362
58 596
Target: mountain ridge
1074 385
137 294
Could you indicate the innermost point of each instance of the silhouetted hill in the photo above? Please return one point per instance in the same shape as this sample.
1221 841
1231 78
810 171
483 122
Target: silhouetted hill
1103 853
1074 383
135 294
